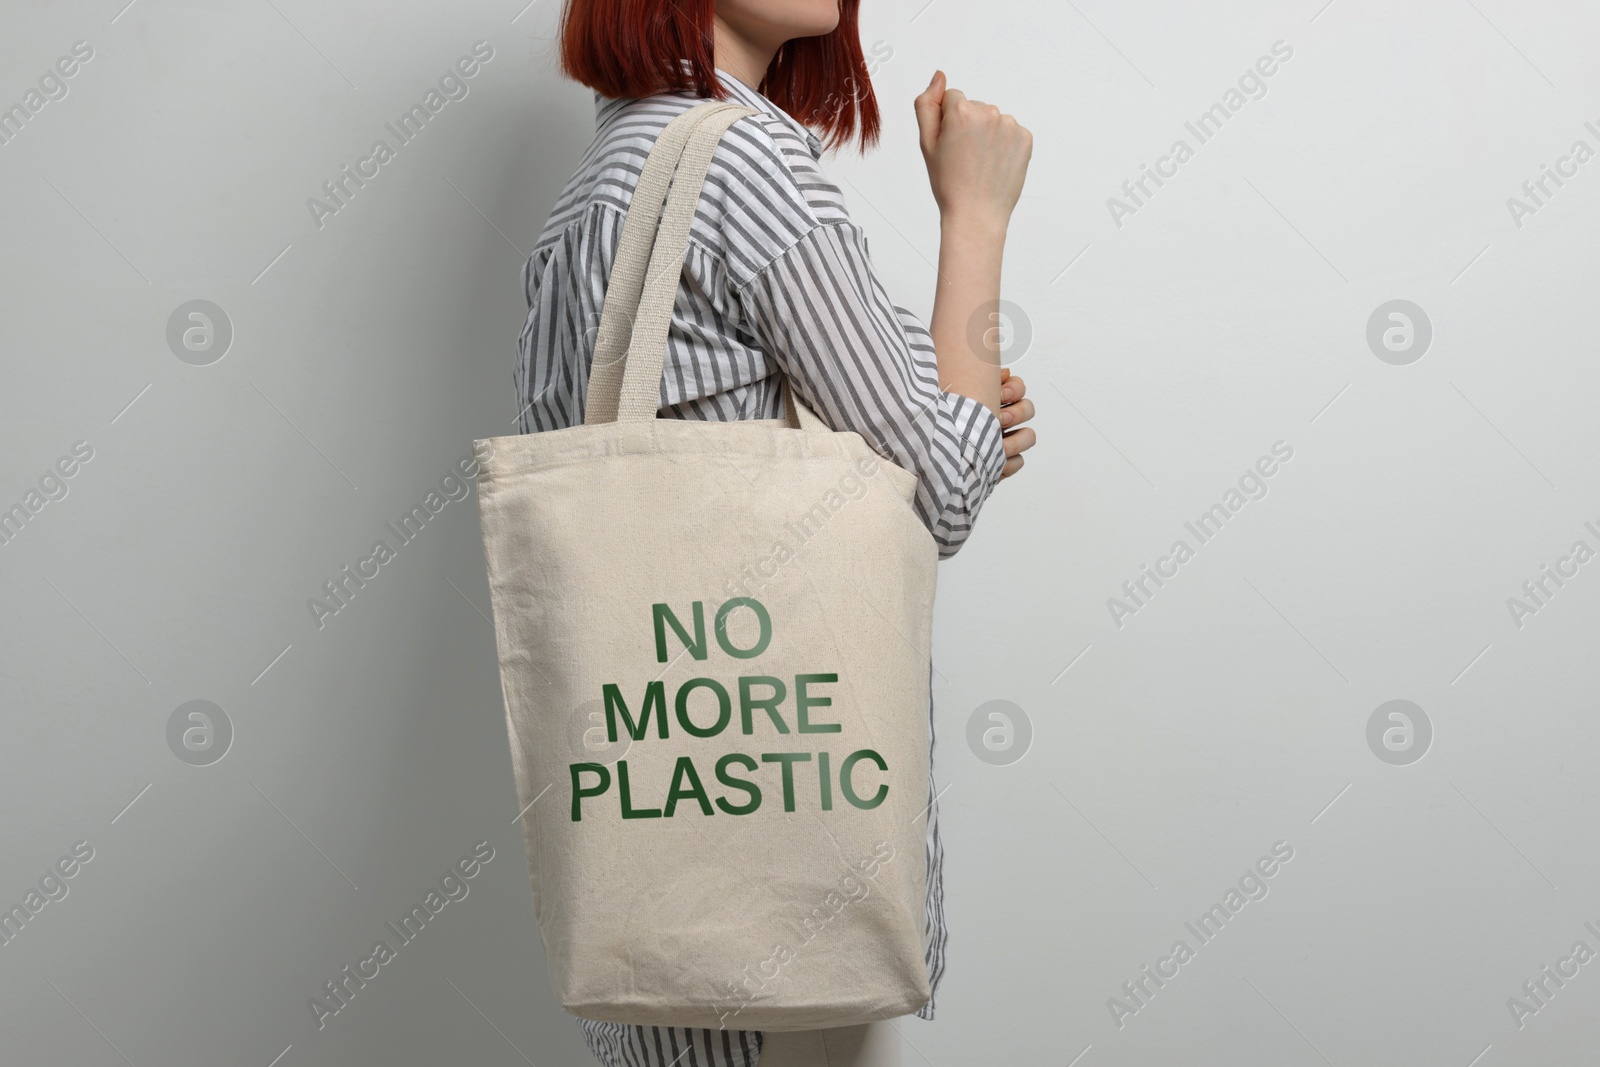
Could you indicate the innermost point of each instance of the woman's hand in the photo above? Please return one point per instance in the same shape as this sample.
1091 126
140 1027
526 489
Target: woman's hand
977 156
1015 409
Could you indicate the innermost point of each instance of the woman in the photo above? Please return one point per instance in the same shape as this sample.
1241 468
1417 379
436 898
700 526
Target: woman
777 281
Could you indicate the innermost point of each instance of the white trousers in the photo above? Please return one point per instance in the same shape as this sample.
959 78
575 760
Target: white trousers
875 1044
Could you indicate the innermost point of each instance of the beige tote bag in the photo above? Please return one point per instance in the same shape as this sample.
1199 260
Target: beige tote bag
713 642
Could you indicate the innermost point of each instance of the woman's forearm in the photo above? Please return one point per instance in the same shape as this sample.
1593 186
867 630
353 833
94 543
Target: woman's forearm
965 325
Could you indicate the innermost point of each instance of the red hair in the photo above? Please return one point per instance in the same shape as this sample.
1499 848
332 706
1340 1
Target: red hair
634 48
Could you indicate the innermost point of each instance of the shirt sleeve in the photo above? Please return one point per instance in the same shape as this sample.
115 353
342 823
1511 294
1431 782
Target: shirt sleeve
864 364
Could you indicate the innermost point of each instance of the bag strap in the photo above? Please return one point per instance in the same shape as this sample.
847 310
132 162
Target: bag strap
630 347
633 255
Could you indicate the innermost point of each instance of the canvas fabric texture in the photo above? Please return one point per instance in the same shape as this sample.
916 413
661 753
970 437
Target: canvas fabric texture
713 642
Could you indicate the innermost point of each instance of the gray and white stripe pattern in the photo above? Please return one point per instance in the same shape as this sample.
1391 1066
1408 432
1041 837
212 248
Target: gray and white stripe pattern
777 280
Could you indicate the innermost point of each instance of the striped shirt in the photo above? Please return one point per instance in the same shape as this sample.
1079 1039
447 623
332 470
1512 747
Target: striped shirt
776 281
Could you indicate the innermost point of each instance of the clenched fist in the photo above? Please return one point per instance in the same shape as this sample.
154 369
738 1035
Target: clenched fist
977 155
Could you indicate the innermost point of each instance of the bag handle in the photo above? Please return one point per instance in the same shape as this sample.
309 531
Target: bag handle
625 379
628 270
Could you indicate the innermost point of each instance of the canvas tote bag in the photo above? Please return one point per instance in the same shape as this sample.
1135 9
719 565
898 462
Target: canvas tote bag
713 644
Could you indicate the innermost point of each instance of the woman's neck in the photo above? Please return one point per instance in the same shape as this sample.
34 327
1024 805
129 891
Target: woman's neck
740 55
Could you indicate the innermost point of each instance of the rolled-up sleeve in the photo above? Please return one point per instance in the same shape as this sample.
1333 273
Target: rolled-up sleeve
866 365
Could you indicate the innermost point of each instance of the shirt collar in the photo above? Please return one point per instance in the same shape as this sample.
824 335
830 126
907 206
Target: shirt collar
737 91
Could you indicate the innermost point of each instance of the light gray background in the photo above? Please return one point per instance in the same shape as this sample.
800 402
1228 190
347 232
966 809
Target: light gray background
1167 355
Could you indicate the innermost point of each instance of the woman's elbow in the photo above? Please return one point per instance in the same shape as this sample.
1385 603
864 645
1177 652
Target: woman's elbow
952 528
